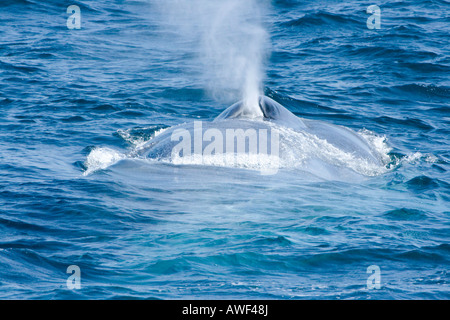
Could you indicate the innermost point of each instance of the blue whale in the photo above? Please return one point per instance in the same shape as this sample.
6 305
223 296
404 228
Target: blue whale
268 136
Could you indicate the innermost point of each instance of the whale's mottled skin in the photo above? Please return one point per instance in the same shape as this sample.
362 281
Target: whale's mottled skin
293 129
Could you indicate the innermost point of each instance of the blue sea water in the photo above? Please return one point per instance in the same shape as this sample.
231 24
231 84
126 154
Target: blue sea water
155 230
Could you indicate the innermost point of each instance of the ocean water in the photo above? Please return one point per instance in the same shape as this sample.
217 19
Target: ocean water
75 102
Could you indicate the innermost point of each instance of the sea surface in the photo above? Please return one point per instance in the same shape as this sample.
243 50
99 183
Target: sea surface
73 102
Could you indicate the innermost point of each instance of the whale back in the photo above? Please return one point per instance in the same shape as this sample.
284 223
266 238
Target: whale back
312 145
268 110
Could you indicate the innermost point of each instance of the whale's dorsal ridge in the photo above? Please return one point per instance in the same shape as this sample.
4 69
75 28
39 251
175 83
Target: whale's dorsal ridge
239 111
272 109
269 110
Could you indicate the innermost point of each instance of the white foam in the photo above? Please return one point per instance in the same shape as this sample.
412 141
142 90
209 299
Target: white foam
378 144
245 161
301 148
418 156
159 131
137 142
101 158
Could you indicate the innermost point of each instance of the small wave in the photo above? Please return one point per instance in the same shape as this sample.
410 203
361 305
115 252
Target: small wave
373 51
408 122
422 183
411 158
405 214
427 90
170 266
74 119
25 69
301 107
420 157
427 67
286 3
101 158
271 241
435 254
137 137
5 3
320 18
415 158
314 231
378 143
